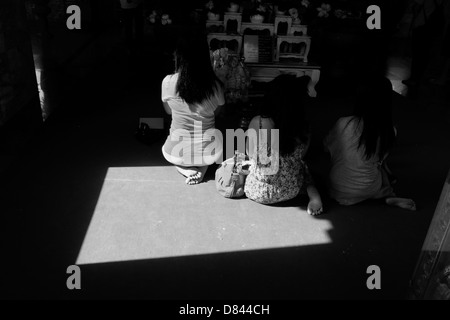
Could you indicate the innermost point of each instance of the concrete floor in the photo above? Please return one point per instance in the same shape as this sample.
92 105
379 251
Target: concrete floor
85 192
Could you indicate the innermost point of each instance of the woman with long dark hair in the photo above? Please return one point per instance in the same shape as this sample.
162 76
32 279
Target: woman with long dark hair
193 96
283 111
359 145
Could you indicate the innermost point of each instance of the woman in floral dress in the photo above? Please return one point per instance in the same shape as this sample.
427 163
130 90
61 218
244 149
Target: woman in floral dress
278 171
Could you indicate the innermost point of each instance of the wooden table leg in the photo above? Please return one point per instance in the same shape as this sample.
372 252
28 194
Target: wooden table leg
315 76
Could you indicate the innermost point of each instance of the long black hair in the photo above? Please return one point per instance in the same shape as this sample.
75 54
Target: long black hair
283 103
373 112
197 80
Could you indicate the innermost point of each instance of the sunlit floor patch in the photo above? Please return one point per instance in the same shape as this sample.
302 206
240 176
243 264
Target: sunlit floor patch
148 212
397 71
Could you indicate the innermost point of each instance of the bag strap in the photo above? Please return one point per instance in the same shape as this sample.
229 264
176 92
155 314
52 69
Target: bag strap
235 162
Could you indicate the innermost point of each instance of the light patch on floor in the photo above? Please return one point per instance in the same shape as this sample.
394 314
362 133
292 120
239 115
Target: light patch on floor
397 71
148 212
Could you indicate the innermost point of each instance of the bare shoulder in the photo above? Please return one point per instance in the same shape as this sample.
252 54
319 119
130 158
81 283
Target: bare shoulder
266 123
254 123
170 78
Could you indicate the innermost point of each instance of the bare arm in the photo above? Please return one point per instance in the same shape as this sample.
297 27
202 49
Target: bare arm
167 108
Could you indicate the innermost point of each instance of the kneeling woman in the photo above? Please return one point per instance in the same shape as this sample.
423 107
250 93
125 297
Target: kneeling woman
193 96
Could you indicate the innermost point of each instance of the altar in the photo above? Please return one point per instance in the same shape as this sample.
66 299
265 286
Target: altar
279 46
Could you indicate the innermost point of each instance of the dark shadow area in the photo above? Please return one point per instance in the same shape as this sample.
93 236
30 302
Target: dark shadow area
307 272
282 28
232 26
49 192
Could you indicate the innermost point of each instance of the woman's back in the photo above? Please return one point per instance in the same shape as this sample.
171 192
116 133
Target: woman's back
184 114
191 123
352 176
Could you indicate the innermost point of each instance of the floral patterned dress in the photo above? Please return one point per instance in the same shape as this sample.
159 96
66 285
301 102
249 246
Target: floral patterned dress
291 178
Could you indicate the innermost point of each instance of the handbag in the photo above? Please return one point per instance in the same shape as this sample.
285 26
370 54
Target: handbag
231 174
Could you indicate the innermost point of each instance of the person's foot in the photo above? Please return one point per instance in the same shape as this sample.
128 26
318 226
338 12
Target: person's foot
194 175
315 207
187 171
195 178
404 203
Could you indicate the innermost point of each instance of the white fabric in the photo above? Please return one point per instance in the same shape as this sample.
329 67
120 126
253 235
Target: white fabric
353 178
194 122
